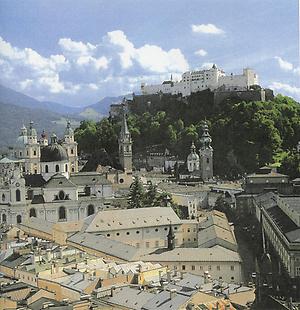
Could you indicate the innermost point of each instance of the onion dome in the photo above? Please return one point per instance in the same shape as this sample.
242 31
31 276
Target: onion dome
69 131
206 138
31 131
193 155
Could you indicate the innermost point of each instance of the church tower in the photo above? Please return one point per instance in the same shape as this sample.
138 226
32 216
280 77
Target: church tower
70 145
193 159
33 151
125 146
206 155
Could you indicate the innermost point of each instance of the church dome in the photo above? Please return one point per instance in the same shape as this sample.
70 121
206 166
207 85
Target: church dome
193 156
53 152
21 141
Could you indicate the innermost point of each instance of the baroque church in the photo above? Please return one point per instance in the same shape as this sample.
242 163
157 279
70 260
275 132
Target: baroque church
41 179
200 166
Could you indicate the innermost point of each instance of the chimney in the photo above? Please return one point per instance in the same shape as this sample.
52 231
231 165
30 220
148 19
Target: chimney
172 293
169 276
205 277
190 306
181 275
112 291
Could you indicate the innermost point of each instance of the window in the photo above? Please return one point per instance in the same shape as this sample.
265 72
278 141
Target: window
232 278
61 195
128 233
193 267
46 169
189 230
297 271
137 231
118 234
156 244
156 229
72 151
3 197
62 213
209 267
207 160
218 268
57 168
18 195
201 267
137 245
34 153
19 219
147 244
3 218
107 235
32 212
90 210
232 268
66 168
183 267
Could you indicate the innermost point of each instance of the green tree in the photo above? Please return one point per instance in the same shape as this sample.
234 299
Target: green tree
151 198
136 195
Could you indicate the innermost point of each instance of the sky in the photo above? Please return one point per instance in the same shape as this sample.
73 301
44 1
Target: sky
76 52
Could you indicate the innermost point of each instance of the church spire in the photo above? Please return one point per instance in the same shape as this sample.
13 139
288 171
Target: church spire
171 238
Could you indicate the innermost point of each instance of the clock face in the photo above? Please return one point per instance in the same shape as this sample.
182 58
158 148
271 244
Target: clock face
17 184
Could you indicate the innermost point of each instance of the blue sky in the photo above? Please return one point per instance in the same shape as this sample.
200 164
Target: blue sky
77 52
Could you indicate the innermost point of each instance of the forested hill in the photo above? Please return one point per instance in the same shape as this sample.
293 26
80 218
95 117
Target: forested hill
246 135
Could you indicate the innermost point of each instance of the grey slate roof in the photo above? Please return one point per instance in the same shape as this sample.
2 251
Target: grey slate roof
162 301
39 224
130 298
59 181
105 245
88 178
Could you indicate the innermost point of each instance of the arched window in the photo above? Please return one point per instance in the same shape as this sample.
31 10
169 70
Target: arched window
3 197
3 218
66 168
61 195
19 219
90 210
18 195
46 169
62 213
57 168
32 212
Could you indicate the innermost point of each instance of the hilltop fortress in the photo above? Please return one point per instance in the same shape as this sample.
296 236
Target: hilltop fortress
213 78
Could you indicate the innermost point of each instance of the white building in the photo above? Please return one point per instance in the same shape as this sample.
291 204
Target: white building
193 81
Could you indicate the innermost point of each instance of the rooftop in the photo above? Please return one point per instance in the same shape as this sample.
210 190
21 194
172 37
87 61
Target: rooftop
132 218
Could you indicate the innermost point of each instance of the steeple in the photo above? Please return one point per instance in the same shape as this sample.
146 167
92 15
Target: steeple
206 154
171 238
205 139
125 145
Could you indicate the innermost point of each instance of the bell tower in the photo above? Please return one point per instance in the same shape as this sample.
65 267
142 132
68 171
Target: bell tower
206 155
125 145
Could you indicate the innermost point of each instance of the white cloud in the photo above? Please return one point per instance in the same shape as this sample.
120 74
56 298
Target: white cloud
207 29
112 66
287 66
293 90
149 57
201 52
76 48
207 65
98 63
283 64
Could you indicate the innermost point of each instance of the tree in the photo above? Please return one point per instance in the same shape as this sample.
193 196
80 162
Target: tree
291 165
136 195
151 196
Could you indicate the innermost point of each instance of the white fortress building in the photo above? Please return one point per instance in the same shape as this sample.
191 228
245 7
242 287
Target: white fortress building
194 81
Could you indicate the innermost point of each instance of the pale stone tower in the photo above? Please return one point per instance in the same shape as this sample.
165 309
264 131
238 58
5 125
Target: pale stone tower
193 159
125 146
70 145
206 155
33 151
